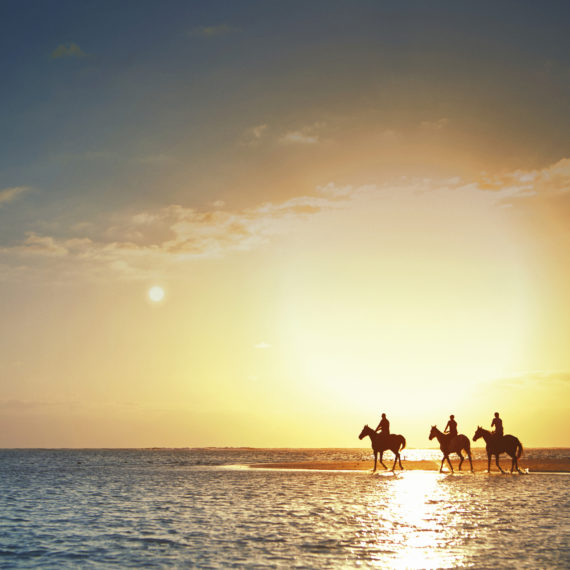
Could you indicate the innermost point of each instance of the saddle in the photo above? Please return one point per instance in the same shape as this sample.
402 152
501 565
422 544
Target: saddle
449 439
498 443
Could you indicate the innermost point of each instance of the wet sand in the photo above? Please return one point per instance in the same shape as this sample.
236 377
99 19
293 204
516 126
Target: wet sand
533 466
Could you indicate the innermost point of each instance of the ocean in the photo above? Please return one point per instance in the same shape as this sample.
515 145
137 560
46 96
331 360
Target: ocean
204 508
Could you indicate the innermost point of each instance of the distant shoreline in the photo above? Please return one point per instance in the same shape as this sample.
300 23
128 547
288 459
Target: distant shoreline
250 448
479 465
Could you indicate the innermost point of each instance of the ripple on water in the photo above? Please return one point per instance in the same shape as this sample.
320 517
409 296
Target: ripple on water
162 512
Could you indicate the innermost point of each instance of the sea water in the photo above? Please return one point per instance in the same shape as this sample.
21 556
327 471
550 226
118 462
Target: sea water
202 508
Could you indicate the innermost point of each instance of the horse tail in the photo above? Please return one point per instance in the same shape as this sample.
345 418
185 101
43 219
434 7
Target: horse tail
519 449
403 443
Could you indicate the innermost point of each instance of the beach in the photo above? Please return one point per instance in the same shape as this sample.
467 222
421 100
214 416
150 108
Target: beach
479 465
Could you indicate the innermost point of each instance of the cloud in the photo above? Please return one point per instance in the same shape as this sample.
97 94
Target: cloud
10 194
308 135
212 31
550 185
389 135
253 135
438 125
298 137
135 246
44 245
70 49
534 379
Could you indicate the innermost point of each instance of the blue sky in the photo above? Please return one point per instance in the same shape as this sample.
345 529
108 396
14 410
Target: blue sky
149 79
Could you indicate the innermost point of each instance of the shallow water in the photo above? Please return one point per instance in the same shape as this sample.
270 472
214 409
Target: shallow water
187 508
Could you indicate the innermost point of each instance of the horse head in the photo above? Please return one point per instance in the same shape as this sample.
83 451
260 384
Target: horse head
478 433
433 432
365 431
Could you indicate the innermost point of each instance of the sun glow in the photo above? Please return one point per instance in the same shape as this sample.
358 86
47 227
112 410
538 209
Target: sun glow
156 294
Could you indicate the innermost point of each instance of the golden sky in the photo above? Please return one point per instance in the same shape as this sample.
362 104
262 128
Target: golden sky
350 209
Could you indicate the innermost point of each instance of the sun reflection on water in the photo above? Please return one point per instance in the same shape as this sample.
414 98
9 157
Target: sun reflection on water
410 523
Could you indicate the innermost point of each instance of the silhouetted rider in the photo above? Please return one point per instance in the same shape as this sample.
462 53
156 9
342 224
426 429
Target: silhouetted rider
451 427
497 423
384 425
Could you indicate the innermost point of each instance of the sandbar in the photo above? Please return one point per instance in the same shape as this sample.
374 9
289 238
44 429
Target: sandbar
533 466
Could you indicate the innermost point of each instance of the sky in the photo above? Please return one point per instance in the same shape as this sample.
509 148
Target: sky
350 208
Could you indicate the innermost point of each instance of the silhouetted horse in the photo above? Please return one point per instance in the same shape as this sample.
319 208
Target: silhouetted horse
496 445
381 442
452 445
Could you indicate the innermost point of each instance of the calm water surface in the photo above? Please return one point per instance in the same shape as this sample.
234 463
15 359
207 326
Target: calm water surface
198 508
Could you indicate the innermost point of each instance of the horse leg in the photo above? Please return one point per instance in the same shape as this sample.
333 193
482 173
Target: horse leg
449 461
441 466
488 462
395 461
381 455
400 461
375 460
515 463
470 462
497 462
460 460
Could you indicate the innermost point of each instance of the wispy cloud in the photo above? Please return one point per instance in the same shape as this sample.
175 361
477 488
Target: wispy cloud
535 379
552 182
437 125
308 135
213 31
133 246
298 137
70 49
130 245
10 194
254 135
